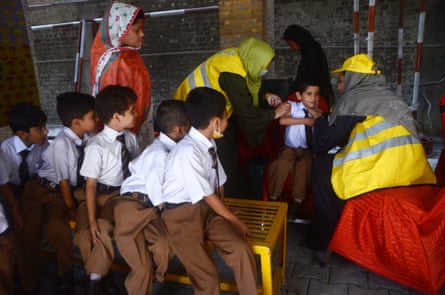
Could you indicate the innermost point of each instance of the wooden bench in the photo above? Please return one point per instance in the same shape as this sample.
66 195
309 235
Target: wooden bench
267 223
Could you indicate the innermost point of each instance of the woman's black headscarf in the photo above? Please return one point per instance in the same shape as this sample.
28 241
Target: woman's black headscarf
313 64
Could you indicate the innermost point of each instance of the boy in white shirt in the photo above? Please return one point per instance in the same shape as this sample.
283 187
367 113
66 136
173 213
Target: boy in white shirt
296 155
47 199
139 231
105 167
20 157
194 212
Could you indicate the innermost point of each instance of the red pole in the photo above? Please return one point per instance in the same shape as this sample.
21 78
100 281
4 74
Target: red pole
356 27
414 103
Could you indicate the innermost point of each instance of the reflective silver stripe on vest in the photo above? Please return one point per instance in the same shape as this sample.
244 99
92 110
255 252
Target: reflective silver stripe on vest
202 69
375 149
370 131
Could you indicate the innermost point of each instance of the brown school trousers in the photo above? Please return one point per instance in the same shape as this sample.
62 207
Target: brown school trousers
97 258
141 239
299 162
7 258
44 210
189 226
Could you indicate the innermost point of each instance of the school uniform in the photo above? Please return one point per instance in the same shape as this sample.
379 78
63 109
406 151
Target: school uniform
102 161
296 157
189 177
10 161
44 209
139 231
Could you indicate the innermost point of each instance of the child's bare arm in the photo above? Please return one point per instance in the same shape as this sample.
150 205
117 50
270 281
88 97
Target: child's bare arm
65 189
90 191
295 121
221 209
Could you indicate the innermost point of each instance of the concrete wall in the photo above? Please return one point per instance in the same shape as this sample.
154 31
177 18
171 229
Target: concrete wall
174 45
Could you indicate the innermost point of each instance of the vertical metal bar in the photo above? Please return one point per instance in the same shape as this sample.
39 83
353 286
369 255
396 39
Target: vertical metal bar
371 20
77 63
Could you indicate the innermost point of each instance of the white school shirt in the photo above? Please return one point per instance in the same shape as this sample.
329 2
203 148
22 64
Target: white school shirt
295 135
102 159
189 176
60 158
147 170
10 149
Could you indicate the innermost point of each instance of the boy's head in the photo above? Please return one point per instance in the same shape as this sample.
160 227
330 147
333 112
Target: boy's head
172 120
77 110
115 104
206 108
28 122
308 93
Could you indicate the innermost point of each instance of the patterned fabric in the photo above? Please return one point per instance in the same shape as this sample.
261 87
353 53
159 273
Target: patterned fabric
113 64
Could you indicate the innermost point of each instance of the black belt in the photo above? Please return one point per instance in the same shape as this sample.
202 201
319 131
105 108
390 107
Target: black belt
48 183
138 196
106 189
174 205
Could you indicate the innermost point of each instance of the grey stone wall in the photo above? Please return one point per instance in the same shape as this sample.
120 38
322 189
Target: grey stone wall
174 45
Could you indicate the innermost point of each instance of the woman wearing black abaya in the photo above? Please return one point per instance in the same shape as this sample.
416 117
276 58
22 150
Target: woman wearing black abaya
313 64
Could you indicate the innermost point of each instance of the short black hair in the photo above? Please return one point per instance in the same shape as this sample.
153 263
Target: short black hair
114 99
74 105
169 114
23 116
202 104
302 85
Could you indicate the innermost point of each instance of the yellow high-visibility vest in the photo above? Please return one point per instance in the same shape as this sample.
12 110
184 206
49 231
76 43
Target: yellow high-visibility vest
207 74
379 155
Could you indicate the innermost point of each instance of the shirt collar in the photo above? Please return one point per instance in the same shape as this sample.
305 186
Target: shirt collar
20 146
111 134
73 136
198 136
167 141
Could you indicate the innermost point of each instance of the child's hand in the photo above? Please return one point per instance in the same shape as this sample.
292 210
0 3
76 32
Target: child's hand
95 232
315 112
242 227
309 121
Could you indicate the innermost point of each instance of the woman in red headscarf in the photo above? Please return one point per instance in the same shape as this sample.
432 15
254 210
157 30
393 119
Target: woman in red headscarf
115 60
